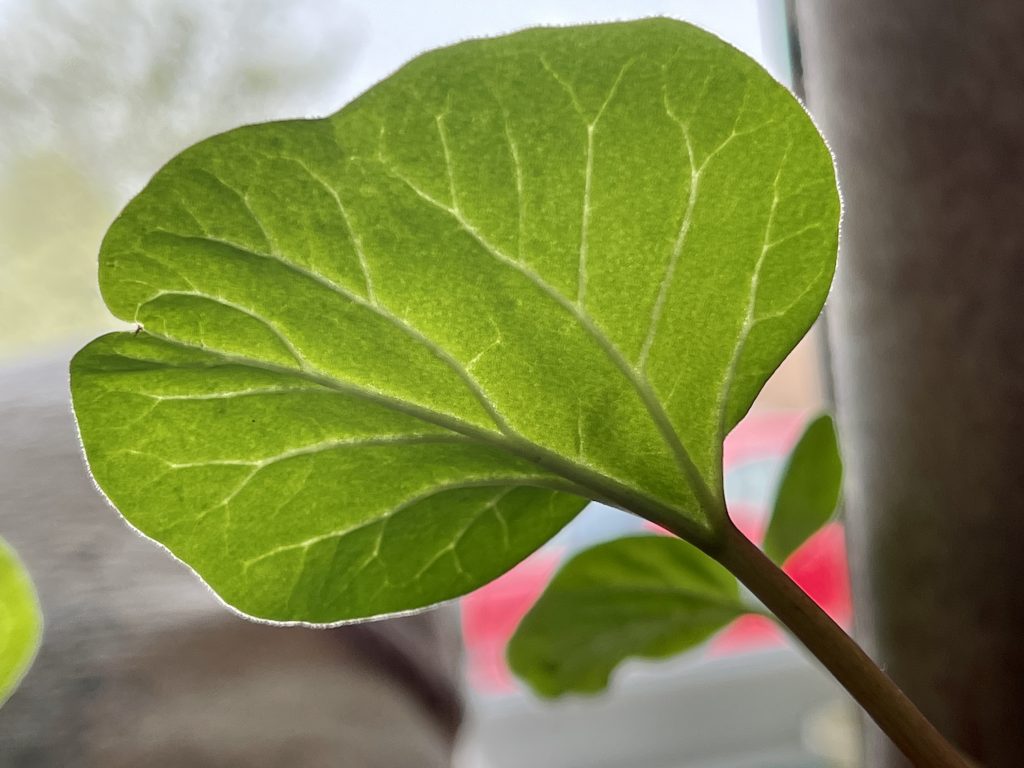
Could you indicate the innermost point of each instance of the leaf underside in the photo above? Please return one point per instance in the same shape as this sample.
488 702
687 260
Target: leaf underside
643 596
388 353
21 621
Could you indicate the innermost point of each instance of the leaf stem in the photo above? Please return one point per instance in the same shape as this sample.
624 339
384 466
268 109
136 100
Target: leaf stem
875 691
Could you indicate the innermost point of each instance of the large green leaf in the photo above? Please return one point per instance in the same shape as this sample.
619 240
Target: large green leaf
809 492
21 621
645 596
389 352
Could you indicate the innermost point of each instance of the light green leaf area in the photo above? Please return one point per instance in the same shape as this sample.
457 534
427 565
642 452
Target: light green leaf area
644 596
21 621
556 265
809 492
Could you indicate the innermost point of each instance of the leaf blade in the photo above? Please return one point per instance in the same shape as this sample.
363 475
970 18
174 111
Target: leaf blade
243 506
809 492
646 596
373 253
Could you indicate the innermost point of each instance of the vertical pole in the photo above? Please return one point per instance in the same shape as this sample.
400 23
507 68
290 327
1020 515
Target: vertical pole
923 104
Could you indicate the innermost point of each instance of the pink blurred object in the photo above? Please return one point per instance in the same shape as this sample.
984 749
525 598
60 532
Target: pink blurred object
490 616
761 436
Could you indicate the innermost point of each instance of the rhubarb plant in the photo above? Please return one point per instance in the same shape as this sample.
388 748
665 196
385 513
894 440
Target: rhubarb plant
382 356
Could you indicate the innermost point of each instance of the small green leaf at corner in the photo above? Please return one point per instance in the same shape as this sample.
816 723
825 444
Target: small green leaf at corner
21 621
809 491
644 596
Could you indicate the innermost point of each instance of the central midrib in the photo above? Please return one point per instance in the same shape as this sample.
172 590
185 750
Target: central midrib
582 480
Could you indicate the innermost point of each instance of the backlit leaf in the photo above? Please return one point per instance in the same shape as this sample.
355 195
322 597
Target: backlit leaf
21 621
645 596
388 353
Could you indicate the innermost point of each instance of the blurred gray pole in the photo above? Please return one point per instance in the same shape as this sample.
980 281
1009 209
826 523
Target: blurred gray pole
923 103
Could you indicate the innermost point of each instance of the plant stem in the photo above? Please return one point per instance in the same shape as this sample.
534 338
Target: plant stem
887 705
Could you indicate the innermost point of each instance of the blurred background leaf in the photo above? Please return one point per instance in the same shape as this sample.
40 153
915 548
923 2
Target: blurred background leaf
809 491
645 596
21 621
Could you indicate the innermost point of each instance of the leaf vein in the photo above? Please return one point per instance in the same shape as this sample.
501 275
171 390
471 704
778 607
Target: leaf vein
300 359
378 309
357 244
416 499
749 315
311 450
647 397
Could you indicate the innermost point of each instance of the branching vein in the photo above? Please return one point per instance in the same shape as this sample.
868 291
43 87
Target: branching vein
650 401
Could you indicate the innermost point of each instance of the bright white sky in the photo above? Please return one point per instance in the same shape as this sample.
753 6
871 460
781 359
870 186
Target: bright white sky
393 31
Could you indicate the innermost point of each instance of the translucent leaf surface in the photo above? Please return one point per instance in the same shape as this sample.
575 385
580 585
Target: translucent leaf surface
646 596
809 492
21 622
388 353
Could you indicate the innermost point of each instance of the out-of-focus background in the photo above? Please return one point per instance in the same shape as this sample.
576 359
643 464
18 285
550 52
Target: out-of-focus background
96 94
